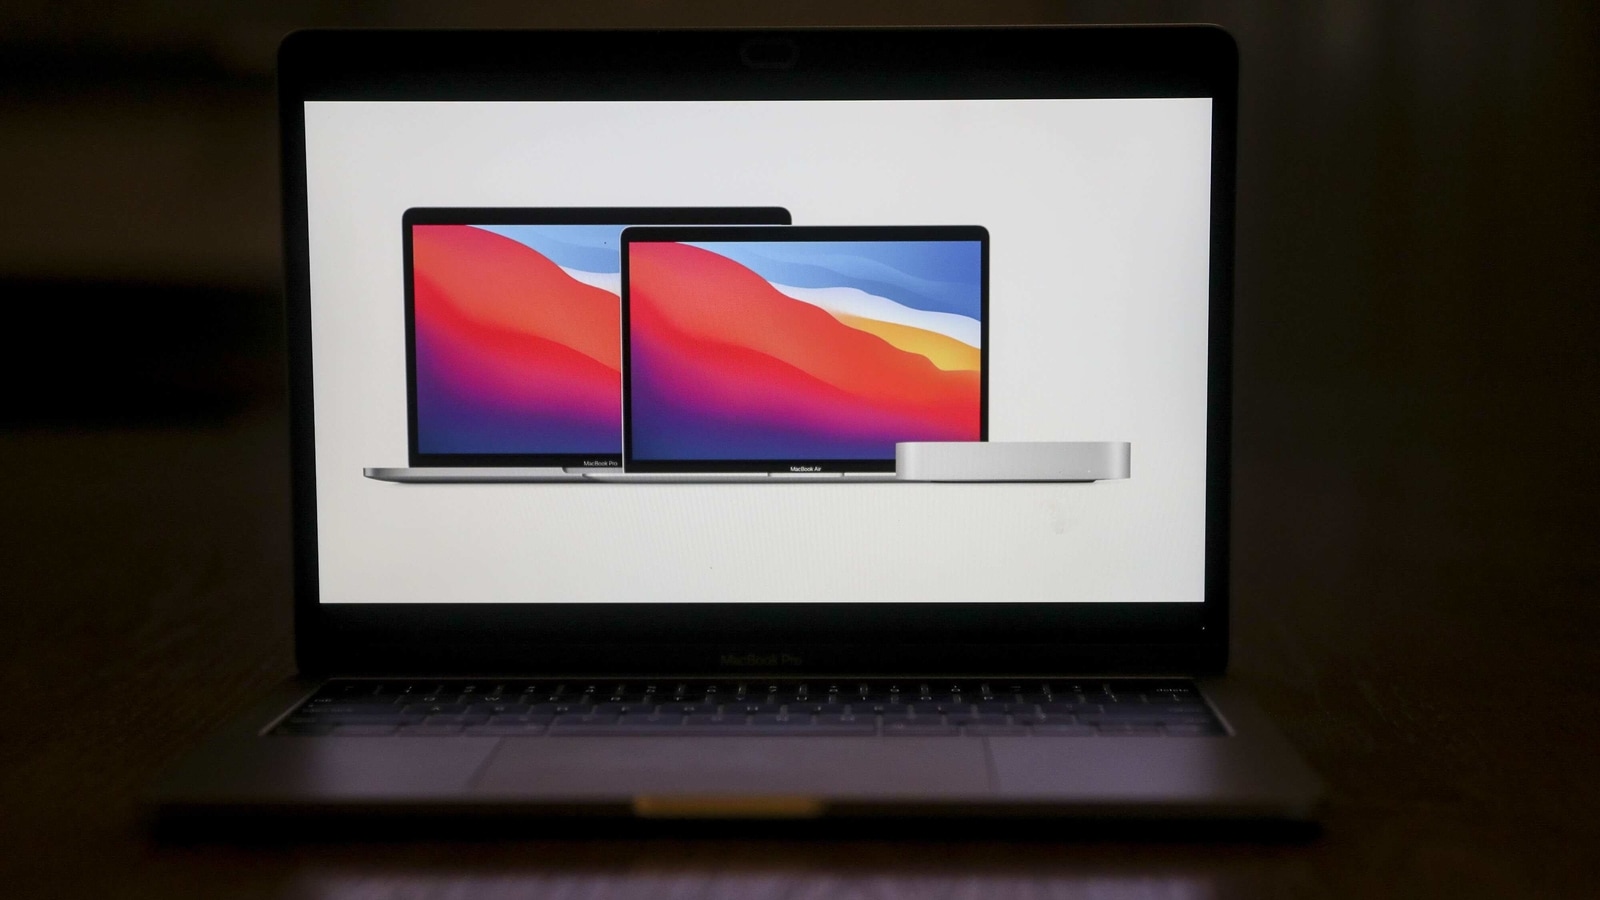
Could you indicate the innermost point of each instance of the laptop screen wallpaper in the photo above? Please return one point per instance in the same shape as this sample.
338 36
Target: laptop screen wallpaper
998 270
800 350
518 335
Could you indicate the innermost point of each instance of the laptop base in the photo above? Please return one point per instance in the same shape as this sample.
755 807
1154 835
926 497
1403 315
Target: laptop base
1251 774
469 474
738 477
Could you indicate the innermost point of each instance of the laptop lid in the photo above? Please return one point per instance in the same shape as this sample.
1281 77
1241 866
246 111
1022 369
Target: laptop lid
512 331
803 349
1099 160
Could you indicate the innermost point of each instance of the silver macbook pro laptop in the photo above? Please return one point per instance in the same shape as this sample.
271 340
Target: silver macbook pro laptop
759 650
799 353
512 355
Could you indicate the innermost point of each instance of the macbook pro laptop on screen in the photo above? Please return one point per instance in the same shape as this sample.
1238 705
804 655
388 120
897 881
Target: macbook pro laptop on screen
802 352
512 339
757 647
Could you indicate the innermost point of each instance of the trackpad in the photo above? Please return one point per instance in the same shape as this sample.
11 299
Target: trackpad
582 767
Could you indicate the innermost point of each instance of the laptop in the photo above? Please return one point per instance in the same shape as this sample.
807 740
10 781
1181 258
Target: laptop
739 650
511 345
800 353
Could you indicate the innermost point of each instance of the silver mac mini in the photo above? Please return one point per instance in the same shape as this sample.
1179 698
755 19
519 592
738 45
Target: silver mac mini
1011 460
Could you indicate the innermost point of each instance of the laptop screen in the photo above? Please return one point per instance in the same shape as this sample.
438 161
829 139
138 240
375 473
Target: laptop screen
801 349
1096 215
515 340
514 334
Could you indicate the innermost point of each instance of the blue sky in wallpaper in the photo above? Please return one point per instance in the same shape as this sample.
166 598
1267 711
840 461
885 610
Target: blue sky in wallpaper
937 276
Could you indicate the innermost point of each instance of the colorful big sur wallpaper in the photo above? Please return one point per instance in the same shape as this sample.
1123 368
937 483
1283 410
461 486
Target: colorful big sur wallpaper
803 350
518 334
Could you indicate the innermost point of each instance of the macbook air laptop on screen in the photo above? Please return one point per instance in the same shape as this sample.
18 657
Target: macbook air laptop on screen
803 352
742 649
512 339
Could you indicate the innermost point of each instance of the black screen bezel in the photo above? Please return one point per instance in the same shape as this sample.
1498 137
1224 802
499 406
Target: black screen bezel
991 635
596 215
632 462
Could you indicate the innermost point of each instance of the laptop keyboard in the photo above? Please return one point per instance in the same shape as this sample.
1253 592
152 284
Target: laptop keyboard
877 707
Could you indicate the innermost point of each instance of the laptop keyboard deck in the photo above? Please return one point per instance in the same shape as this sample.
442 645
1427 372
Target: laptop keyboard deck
873 707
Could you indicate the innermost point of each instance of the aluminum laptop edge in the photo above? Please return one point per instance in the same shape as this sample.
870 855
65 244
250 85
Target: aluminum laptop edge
747 650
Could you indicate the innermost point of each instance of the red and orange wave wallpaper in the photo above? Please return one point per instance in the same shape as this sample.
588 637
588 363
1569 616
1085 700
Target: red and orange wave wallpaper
827 352
514 354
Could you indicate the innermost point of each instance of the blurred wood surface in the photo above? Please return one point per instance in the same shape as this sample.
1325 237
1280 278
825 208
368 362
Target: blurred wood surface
1415 561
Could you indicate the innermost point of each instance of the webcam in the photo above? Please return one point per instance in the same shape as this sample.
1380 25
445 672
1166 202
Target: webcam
769 53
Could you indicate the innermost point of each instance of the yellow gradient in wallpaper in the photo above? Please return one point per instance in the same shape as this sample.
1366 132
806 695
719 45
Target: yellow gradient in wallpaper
943 351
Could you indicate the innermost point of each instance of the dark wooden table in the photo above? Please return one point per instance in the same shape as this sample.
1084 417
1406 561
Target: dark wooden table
1430 651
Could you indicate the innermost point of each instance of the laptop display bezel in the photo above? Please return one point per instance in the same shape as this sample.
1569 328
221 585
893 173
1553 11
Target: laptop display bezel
547 635
633 462
619 216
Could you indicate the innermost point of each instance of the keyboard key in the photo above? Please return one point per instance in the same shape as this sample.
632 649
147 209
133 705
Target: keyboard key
617 709
813 707
688 709
571 720
750 709
362 730
1069 709
499 709
1172 693
435 709
631 698
782 720
879 698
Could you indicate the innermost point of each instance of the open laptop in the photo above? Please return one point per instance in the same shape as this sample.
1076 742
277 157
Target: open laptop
801 353
513 364
747 650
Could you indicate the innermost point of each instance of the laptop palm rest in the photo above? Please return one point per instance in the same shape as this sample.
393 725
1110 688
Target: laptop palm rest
640 768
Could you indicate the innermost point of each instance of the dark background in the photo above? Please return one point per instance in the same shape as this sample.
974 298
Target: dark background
1415 538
